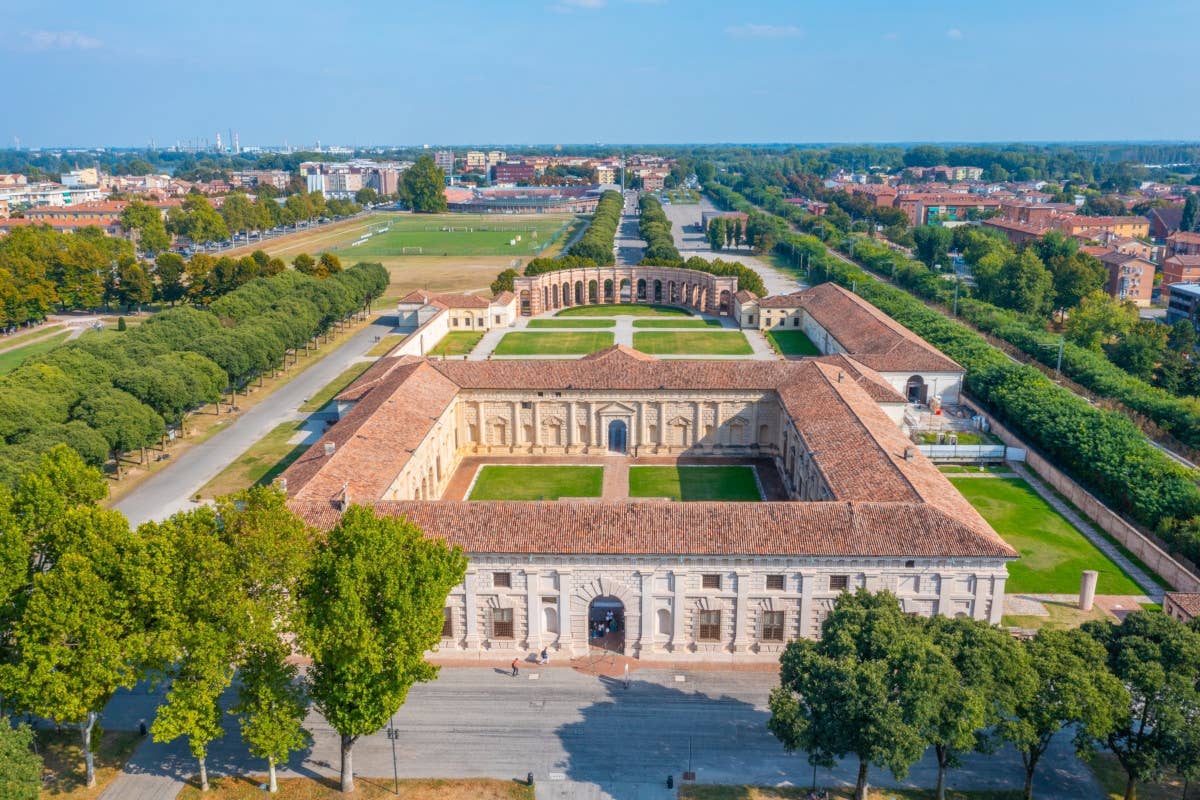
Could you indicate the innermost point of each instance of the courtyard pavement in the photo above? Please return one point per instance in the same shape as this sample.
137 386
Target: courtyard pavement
581 735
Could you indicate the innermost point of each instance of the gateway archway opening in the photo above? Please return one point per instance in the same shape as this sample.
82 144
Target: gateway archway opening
618 437
606 624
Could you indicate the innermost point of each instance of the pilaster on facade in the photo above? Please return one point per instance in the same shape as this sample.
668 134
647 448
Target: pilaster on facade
470 604
741 636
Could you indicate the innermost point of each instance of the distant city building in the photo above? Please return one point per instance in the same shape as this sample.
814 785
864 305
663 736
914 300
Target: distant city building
445 160
476 159
1129 277
508 172
605 174
81 177
1181 269
1182 302
1182 243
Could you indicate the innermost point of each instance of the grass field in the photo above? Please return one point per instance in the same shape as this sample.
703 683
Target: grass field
964 437
676 323
523 343
11 359
1060 616
792 343
725 483
457 343
1053 553
62 758
34 333
519 482
262 462
572 323
700 791
385 345
966 469
335 387
692 343
626 309
246 788
452 235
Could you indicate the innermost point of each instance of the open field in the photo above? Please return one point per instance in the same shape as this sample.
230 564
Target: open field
624 309
364 789
62 758
335 387
34 333
451 235
721 483
677 323
528 343
692 343
438 273
260 464
571 323
310 240
457 343
521 482
11 359
1053 553
792 343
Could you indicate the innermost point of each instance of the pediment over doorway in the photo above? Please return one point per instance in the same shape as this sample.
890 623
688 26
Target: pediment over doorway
616 408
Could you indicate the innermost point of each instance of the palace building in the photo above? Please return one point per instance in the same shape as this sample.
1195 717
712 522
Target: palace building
848 501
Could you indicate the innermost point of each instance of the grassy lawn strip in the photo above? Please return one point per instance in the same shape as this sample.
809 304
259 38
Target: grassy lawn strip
386 343
792 343
262 462
62 758
725 483
246 788
722 343
572 323
523 343
11 359
1062 616
700 791
335 387
964 437
34 333
677 323
1053 553
519 482
628 309
1111 777
966 469
457 343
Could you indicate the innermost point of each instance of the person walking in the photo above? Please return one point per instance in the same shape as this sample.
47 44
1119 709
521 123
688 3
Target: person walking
515 664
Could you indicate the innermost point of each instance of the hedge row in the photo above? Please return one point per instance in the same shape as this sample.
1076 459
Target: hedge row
655 228
597 241
109 393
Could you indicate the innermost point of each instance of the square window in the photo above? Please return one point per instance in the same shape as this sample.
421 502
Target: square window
710 626
502 580
772 626
839 583
776 583
447 623
502 623
710 582
795 322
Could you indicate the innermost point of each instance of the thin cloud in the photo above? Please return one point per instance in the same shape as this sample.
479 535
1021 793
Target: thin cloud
751 30
954 33
61 40
891 36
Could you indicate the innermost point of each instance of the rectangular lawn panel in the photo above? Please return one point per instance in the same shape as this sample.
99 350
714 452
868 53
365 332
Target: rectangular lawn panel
692 343
530 343
629 309
723 483
521 482
677 323
571 323
452 235
792 343
457 343
1053 552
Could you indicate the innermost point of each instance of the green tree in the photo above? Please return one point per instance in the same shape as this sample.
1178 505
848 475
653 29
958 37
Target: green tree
328 264
423 187
168 271
20 766
1141 349
371 606
366 196
504 281
238 213
304 263
1099 319
121 325
1190 221
716 233
146 222
1070 689
933 244
135 287
271 707
1157 659
867 688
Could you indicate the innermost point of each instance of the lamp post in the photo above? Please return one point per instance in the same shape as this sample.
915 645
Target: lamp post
1062 340
394 734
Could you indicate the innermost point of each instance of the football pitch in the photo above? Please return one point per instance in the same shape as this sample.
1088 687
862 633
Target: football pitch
452 235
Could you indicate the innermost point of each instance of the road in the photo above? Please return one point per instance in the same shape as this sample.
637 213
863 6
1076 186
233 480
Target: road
581 736
171 489
628 243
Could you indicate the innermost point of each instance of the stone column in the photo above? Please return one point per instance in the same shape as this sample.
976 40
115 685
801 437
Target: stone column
533 611
807 584
472 614
515 415
697 423
646 634
997 599
720 434
572 425
662 424
945 603
537 426
981 593
565 637
678 640
741 614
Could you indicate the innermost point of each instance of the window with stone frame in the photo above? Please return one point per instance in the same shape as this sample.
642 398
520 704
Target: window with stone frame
447 623
709 626
710 581
772 626
502 623
776 583
502 580
839 583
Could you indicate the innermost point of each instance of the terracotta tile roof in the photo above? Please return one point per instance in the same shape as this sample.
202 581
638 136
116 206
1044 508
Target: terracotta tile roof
666 528
446 300
504 298
1096 250
1188 601
744 296
871 381
1184 237
1184 261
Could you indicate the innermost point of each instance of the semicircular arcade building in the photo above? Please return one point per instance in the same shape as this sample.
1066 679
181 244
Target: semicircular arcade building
581 286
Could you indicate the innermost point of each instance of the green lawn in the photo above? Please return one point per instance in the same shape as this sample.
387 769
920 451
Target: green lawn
628 309
262 463
725 483
959 469
792 343
572 323
385 345
457 343
335 387
964 437
471 235
677 323
503 482
1053 553
11 359
692 343
528 343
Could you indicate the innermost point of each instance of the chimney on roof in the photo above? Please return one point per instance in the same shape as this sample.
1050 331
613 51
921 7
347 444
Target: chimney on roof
839 376
282 484
343 502
329 448
910 453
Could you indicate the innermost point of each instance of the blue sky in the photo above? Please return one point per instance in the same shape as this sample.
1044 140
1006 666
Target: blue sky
123 72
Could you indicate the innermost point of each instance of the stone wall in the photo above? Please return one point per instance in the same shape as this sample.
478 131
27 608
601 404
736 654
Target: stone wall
583 286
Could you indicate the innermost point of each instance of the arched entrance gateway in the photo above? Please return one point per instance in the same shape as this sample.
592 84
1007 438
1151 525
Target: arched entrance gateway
618 436
915 390
606 624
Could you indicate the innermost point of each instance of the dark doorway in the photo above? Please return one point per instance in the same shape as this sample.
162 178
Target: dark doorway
606 624
618 436
915 390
